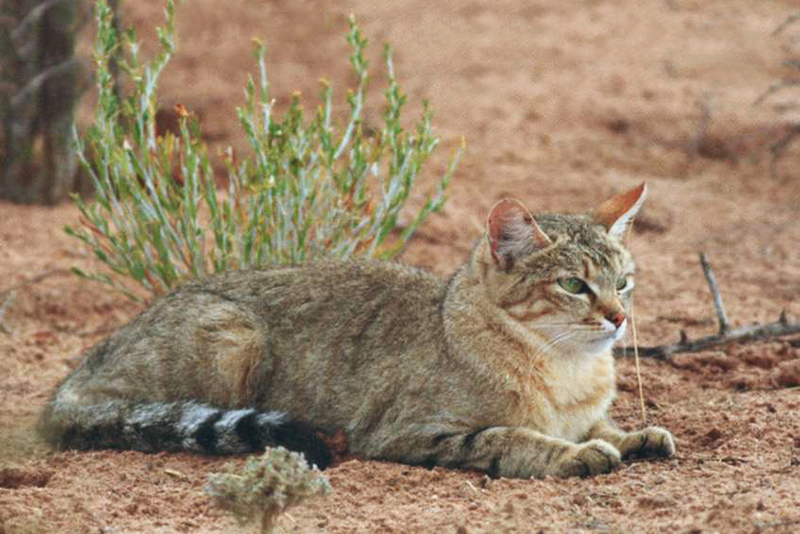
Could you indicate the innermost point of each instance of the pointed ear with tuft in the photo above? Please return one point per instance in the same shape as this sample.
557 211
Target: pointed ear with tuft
618 212
512 232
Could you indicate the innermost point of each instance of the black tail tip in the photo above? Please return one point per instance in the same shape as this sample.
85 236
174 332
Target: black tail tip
300 437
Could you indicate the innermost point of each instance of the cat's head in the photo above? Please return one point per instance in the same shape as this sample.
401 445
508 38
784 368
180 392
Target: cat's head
567 278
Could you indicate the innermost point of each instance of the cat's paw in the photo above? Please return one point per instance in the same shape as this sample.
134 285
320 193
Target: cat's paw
594 457
651 442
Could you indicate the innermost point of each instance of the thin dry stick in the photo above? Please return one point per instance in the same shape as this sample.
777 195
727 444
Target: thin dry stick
703 122
635 340
774 88
638 369
777 329
724 326
791 19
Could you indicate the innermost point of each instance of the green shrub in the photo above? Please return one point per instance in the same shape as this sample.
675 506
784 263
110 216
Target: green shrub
312 186
267 486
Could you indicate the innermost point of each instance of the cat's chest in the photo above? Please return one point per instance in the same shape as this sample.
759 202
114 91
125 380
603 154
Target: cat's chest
562 400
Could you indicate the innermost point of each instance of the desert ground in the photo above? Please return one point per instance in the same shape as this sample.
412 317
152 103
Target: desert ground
562 104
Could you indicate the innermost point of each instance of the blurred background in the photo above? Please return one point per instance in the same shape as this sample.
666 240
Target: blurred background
664 89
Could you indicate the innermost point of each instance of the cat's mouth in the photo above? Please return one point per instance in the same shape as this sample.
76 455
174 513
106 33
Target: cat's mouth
606 338
587 339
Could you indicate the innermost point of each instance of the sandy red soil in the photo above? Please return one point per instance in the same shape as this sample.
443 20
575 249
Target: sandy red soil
562 104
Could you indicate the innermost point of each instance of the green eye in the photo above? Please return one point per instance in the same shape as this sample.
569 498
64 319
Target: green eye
573 285
623 284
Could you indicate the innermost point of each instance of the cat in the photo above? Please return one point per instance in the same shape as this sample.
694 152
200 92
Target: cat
506 367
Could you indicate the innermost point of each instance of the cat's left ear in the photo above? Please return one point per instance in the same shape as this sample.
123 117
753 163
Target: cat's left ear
513 232
618 212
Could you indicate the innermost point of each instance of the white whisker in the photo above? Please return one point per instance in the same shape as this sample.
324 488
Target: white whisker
572 327
552 343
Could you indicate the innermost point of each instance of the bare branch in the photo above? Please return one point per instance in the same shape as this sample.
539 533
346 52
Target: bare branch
780 328
37 82
791 19
774 88
780 146
775 329
33 17
718 305
703 123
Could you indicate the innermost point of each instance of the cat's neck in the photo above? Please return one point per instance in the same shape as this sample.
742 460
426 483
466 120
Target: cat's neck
488 338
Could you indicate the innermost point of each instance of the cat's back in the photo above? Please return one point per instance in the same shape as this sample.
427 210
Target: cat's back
318 289
222 338
328 332
357 301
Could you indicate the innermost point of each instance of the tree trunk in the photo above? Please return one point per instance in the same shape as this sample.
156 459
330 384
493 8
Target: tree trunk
40 84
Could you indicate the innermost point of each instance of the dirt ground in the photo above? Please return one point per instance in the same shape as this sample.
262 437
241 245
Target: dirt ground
562 104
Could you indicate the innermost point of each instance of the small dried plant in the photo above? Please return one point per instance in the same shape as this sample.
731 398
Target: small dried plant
266 487
311 186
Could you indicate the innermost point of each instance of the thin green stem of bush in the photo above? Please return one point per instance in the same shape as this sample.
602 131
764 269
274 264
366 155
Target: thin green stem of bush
311 187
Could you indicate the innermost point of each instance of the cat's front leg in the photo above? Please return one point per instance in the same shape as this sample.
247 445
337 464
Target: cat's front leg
652 441
518 452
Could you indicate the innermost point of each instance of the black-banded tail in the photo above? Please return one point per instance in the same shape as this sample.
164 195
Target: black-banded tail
178 426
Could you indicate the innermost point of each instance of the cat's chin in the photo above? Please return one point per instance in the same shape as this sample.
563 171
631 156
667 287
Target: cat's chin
588 347
600 345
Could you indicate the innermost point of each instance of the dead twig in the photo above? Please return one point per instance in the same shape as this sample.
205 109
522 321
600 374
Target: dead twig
712 284
779 147
775 329
703 123
791 19
780 328
774 88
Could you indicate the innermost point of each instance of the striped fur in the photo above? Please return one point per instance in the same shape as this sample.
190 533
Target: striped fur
500 368
179 426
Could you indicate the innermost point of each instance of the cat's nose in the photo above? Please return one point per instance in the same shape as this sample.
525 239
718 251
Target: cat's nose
616 318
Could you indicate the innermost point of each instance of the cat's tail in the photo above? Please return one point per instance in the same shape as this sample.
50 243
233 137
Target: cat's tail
177 426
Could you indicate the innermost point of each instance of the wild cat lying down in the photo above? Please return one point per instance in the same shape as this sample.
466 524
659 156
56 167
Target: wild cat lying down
504 367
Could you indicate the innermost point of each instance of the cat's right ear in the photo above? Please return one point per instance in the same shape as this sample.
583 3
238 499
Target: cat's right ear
513 232
617 213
